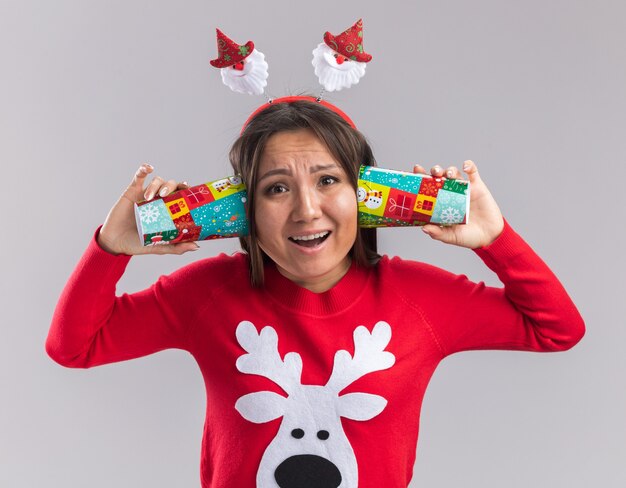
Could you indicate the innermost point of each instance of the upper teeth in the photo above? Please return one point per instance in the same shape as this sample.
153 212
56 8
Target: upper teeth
310 237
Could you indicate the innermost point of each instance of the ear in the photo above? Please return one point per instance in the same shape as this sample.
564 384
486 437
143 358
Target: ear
360 406
261 406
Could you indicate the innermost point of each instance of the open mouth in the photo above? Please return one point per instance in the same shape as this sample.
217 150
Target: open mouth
311 240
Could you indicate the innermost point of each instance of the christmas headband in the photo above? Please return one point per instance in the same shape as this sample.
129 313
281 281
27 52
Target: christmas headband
339 62
290 99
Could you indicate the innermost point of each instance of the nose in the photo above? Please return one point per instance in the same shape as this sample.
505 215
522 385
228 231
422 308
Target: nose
307 206
307 470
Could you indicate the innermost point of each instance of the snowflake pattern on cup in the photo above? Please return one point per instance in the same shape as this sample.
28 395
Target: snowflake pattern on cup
155 217
450 207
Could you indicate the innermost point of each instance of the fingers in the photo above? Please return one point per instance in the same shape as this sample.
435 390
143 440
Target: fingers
451 172
134 190
153 187
436 171
140 175
419 169
178 248
442 233
159 187
433 230
471 170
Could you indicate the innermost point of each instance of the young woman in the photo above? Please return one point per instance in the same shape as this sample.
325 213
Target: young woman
315 350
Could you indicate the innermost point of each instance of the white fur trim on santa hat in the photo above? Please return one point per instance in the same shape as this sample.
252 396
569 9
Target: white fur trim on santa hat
252 79
332 75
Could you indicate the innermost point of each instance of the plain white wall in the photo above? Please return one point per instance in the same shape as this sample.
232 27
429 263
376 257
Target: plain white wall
532 91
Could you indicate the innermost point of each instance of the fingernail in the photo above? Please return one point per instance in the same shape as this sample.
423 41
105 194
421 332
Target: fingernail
149 166
185 183
449 173
195 248
149 195
466 166
163 192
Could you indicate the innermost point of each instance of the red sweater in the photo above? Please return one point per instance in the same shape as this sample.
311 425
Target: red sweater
332 388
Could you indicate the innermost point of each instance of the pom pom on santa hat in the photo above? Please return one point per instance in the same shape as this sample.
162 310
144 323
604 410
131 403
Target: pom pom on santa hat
349 43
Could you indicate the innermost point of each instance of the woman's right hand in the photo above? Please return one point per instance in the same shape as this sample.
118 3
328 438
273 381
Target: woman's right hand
119 235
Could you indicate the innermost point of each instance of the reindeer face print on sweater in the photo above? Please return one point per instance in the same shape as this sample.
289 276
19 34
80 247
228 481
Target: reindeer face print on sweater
311 448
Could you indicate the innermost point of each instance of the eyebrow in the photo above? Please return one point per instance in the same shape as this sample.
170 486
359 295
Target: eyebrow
285 171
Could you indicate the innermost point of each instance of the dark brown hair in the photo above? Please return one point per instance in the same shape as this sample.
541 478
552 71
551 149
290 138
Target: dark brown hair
347 145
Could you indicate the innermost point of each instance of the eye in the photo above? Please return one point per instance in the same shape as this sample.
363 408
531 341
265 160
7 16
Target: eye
275 189
297 433
328 180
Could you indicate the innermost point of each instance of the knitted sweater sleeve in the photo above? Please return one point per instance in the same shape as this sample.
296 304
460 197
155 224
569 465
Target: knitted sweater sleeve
532 312
92 326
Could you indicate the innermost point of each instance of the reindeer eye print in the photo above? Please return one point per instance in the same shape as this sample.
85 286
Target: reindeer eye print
323 435
297 433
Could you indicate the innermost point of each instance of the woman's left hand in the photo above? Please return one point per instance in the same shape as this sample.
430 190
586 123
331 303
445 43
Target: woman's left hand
485 219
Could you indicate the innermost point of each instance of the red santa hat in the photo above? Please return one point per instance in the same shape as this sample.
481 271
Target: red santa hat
229 52
349 43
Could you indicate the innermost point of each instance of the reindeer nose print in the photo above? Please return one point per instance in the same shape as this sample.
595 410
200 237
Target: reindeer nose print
297 433
307 471
323 435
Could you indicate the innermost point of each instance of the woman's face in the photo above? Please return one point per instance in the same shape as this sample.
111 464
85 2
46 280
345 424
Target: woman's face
306 210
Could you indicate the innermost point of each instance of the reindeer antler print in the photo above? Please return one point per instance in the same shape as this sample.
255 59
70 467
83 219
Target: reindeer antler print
263 357
369 356
311 448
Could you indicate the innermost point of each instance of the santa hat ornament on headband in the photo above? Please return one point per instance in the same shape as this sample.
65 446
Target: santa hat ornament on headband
243 67
340 60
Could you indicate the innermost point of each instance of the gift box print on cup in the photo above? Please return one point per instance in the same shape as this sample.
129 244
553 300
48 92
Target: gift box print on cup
389 198
212 210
